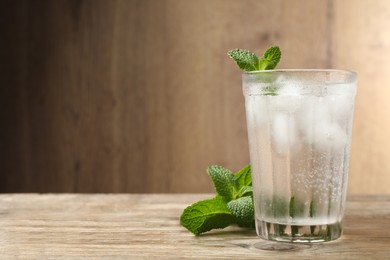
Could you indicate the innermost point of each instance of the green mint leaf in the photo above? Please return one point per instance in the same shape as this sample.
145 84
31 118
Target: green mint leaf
224 182
292 207
270 59
270 91
233 203
273 55
245 191
205 215
244 177
313 208
242 209
296 207
246 60
275 206
312 212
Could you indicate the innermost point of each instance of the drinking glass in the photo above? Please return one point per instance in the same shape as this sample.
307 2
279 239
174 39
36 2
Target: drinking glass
299 129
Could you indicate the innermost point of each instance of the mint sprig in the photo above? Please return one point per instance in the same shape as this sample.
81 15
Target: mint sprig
233 203
242 209
206 215
248 61
244 176
224 181
270 59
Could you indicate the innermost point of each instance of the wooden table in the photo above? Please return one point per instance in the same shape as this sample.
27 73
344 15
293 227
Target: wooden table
74 226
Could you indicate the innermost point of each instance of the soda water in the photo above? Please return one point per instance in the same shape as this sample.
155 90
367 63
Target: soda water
299 130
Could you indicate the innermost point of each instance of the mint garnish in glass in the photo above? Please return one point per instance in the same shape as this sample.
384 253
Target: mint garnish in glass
248 61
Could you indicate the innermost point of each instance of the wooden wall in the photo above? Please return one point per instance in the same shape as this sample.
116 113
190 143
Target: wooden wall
140 96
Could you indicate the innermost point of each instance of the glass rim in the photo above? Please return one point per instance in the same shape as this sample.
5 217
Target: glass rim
300 70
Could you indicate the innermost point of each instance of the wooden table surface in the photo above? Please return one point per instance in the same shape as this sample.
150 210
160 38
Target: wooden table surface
134 226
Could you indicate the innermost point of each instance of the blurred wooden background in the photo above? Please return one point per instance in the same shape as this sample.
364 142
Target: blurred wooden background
140 96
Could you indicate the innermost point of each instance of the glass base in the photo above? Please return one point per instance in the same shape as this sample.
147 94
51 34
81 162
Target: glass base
298 234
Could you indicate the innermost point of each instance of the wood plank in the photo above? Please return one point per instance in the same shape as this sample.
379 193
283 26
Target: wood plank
361 43
144 226
139 96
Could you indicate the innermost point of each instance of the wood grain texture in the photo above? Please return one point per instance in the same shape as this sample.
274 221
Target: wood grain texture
139 95
147 226
362 43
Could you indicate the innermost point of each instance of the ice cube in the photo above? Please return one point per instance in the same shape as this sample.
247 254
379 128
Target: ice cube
318 120
340 106
341 89
287 98
283 132
252 88
323 109
257 111
291 89
328 135
306 117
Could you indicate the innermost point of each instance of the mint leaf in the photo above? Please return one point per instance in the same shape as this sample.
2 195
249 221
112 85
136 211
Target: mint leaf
312 212
206 215
296 207
244 177
242 209
270 59
276 206
270 91
246 60
313 208
245 191
292 207
233 203
224 181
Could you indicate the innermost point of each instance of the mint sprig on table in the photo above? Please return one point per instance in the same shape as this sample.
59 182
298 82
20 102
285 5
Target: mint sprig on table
233 203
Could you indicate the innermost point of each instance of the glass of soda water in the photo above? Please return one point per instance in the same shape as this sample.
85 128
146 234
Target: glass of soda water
299 128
